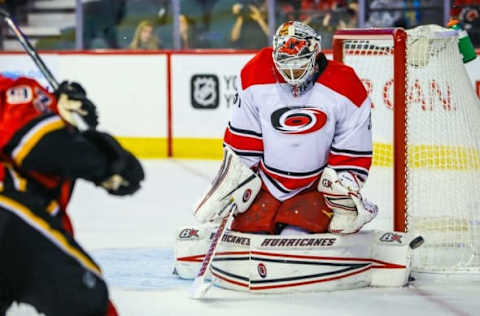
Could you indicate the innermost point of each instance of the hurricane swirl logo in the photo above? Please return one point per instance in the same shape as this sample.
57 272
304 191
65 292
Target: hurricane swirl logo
246 195
262 270
298 120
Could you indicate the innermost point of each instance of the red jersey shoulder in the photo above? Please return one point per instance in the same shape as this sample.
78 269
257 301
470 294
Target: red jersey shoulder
26 91
259 70
343 80
23 99
5 82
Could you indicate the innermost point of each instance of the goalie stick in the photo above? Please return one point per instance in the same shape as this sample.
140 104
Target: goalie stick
200 286
30 50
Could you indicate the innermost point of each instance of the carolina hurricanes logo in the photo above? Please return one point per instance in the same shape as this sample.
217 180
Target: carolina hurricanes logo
293 46
246 195
262 270
298 120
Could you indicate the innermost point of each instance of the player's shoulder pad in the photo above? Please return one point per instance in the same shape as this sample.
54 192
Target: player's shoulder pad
343 80
259 69
7 83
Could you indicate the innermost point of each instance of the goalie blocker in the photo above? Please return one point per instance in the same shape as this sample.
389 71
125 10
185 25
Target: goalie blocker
297 263
235 183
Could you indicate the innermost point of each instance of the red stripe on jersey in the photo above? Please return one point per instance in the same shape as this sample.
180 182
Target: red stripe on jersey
260 70
344 80
290 183
242 142
341 160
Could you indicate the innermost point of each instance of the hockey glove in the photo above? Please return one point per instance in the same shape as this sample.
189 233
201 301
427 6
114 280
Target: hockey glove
74 106
342 194
124 173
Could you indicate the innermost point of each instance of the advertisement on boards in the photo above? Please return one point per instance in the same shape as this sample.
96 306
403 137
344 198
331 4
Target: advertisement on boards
203 92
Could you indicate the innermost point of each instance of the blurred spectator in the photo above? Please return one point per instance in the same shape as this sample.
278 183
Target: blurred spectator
195 18
344 16
383 17
144 37
469 16
329 15
100 19
18 9
163 12
315 10
289 10
425 12
250 30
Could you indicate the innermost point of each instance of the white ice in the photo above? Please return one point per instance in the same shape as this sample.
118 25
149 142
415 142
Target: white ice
131 238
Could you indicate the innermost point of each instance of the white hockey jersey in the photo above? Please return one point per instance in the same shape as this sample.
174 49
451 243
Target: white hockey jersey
292 138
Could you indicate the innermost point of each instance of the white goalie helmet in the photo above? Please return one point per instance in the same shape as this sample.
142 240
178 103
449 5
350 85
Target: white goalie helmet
295 49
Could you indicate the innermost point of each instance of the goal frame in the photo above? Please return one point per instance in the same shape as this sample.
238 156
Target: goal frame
399 37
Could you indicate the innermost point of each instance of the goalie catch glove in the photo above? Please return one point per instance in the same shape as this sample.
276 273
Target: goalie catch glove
124 172
74 106
342 194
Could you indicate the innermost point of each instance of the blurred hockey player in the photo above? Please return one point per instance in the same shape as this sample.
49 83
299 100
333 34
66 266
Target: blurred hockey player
42 154
302 122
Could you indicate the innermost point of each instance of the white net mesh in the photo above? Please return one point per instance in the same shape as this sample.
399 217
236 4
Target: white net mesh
443 141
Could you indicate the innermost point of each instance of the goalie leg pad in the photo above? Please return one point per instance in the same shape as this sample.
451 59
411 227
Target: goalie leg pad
314 262
191 245
306 210
297 263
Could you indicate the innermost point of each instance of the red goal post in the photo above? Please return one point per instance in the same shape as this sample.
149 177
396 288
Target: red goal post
399 37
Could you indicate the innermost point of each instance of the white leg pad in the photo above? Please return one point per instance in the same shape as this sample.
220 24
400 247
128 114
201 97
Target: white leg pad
191 245
299 263
392 248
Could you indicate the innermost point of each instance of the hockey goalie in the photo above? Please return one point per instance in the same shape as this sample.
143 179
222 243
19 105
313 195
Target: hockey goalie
285 211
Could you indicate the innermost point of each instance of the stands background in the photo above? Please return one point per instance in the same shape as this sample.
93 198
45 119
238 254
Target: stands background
159 103
59 24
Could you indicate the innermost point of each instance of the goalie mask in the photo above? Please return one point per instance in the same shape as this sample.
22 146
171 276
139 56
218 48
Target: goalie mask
295 49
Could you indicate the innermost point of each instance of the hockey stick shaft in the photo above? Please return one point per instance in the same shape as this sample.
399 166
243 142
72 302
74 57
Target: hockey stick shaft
200 287
29 49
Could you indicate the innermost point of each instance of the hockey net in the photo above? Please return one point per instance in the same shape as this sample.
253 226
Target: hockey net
426 127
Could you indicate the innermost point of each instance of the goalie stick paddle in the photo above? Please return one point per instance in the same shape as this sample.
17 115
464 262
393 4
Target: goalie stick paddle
200 286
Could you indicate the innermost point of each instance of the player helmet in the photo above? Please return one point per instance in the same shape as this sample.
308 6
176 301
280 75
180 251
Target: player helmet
295 49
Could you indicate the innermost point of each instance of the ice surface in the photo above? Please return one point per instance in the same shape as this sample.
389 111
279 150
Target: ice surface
132 238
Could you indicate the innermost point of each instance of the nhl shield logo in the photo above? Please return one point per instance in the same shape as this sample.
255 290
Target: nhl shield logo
205 91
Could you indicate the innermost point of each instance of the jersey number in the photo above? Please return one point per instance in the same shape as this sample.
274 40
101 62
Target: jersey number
19 95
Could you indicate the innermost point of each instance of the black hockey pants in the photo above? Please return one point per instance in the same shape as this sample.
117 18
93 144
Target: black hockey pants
42 265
